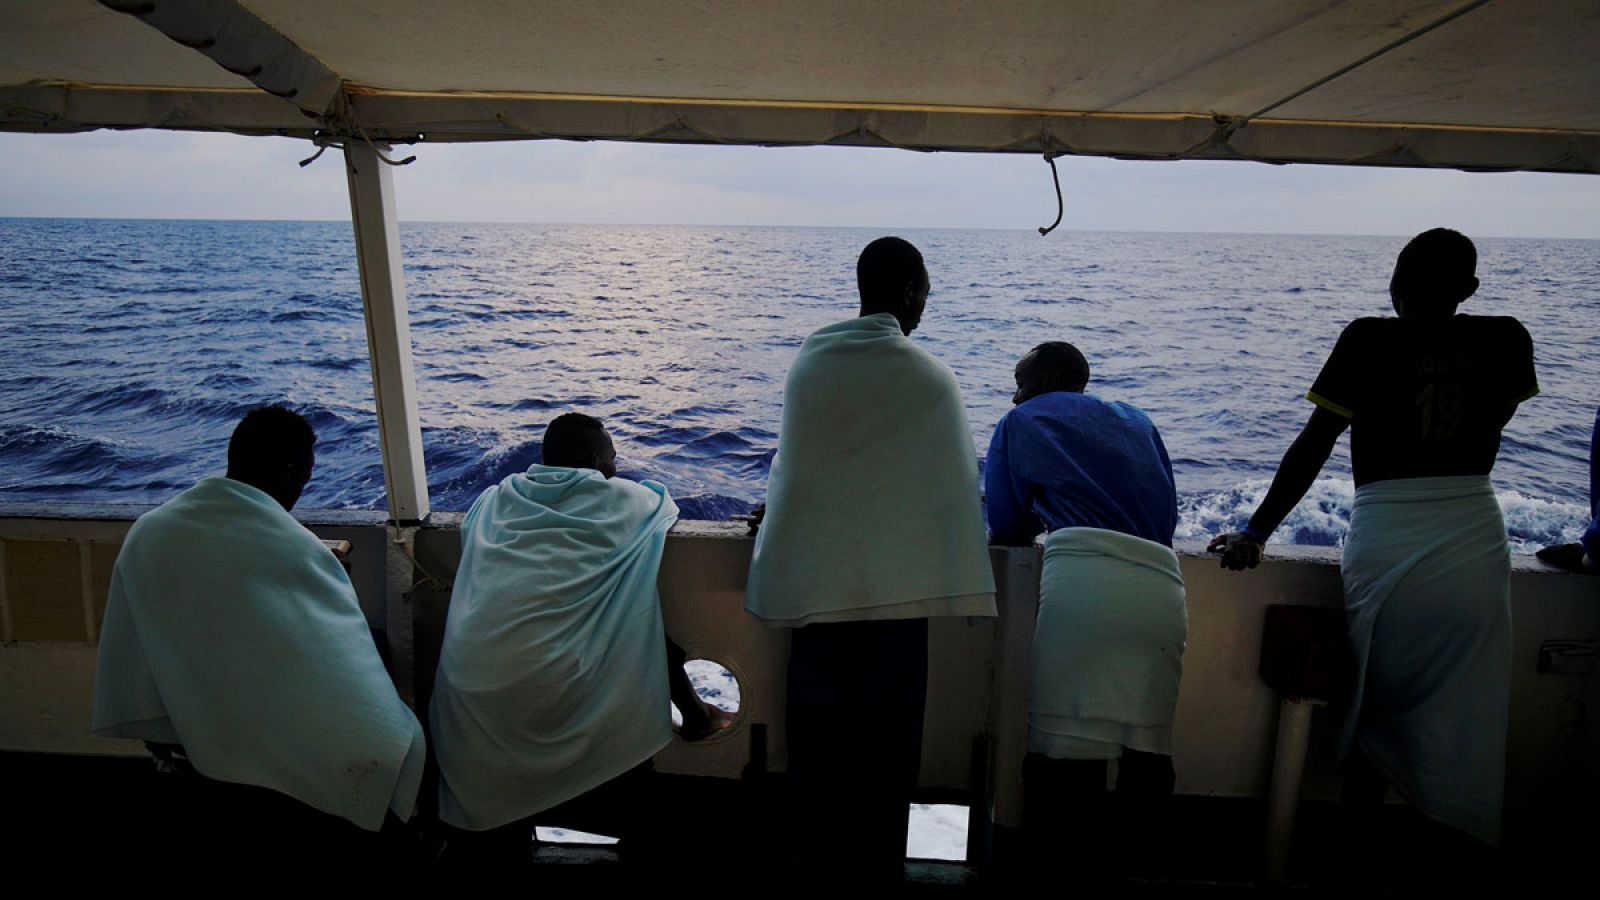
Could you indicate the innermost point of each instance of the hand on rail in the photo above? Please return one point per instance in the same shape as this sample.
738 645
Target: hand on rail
1239 551
1568 557
754 520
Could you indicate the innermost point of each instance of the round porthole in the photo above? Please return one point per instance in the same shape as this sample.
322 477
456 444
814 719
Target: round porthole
718 690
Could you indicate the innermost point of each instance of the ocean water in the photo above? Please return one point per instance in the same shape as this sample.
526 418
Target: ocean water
128 349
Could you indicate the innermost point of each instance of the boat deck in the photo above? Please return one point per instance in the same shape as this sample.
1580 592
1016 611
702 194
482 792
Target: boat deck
73 799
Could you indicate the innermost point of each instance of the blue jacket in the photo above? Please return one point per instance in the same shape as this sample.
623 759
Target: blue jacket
1064 460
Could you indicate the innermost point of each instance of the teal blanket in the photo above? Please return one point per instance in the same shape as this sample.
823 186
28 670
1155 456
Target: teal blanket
873 508
232 630
553 676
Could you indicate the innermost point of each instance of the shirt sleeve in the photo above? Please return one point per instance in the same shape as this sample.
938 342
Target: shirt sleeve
1011 521
1591 535
1170 507
1337 388
1524 382
1594 468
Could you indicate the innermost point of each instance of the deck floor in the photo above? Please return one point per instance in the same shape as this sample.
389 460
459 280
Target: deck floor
93 826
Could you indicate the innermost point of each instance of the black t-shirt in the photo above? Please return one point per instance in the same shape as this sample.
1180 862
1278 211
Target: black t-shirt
1426 397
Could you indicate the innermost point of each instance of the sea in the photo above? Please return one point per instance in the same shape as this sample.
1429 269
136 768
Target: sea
129 348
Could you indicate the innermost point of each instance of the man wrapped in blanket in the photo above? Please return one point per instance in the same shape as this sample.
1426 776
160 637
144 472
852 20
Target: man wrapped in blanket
234 646
553 686
1426 565
1112 624
873 526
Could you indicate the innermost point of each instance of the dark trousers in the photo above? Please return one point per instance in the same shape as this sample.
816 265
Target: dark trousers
264 840
1069 821
855 701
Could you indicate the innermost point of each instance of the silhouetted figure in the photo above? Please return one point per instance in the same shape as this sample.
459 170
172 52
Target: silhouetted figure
1426 565
1583 556
872 527
234 645
1112 625
554 678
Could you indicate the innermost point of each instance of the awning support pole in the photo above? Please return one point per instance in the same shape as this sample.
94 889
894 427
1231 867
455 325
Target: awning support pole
383 299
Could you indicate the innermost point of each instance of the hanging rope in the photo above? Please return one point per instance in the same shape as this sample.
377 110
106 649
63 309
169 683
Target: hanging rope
1061 207
384 157
322 145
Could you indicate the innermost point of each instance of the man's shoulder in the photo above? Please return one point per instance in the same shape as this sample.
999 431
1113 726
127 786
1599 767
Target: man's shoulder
178 510
1507 328
1059 404
1369 326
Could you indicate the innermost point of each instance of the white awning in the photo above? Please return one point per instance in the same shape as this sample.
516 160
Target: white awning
1490 84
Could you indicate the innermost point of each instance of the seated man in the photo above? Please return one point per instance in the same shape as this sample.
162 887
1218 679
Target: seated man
1112 626
873 527
553 681
1426 564
1583 556
234 643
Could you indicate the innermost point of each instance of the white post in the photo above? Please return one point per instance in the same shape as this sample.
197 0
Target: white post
383 297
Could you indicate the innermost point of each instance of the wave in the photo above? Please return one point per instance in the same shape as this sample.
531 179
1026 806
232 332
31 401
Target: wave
305 315
712 507
49 461
156 402
1323 517
462 469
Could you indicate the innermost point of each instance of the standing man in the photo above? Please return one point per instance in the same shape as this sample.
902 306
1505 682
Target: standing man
873 526
1112 626
1426 565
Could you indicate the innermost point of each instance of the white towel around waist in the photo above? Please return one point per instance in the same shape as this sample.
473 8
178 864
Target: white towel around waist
1426 574
1108 646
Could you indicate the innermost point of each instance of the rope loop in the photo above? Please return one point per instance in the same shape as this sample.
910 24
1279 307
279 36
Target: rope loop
1061 207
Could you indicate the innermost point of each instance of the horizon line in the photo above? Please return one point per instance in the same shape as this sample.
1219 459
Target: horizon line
1065 228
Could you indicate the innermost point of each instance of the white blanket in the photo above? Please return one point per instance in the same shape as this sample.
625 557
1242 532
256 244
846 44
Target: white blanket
232 630
553 676
873 506
1427 591
1108 646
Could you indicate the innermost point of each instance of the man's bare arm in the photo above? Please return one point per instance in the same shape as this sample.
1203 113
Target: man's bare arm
1296 473
700 719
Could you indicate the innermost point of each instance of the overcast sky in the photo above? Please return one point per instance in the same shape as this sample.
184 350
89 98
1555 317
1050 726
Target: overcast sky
215 176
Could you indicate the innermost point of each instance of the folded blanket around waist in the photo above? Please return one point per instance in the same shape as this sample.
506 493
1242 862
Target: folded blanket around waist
553 675
230 629
1108 646
1426 575
873 504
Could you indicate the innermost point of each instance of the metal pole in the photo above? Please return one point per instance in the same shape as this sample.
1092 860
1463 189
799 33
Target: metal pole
383 298
1288 769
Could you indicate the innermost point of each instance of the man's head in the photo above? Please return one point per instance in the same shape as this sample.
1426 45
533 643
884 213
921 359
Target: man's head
1434 274
892 279
577 441
273 449
1051 366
